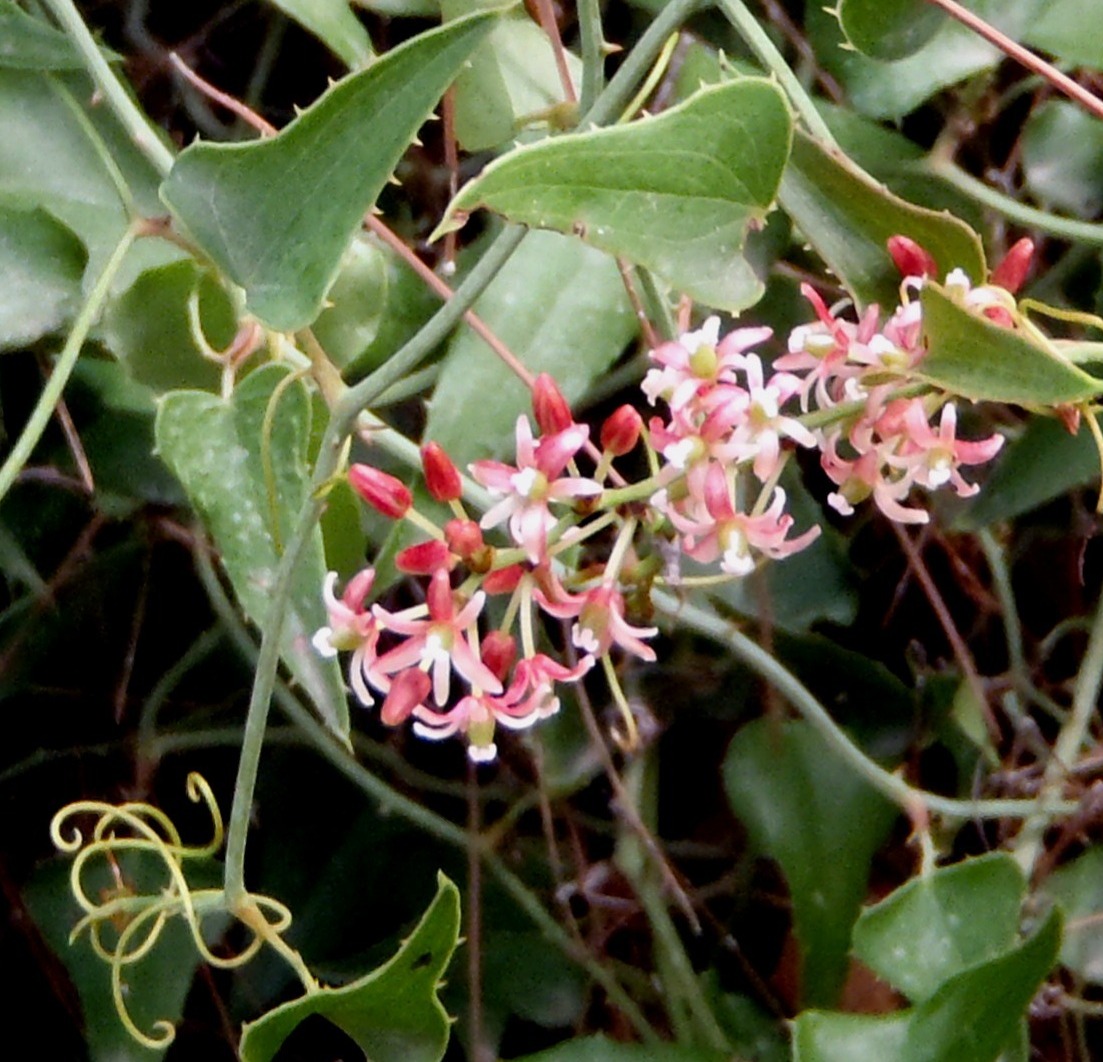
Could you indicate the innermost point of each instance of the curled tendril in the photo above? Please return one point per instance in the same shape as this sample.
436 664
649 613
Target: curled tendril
124 926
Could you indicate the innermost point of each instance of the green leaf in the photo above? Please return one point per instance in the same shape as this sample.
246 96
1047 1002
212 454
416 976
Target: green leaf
42 263
512 77
675 193
1070 30
1043 463
1078 889
148 330
28 43
333 23
561 308
598 1049
970 1018
822 823
215 447
939 924
970 356
848 218
889 29
393 1013
1062 157
277 215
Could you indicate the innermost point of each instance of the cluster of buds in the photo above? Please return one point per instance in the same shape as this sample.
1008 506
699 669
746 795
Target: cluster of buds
842 387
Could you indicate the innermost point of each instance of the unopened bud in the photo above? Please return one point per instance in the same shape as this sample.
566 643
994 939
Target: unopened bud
911 259
1012 271
425 558
408 689
621 431
504 580
499 650
550 408
441 475
464 537
381 491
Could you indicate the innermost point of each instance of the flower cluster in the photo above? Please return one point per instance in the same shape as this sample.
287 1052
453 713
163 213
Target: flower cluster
843 387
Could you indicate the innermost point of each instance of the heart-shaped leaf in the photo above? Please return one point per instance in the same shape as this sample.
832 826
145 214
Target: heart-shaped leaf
674 193
393 1013
276 215
939 924
822 823
970 356
889 29
216 447
848 217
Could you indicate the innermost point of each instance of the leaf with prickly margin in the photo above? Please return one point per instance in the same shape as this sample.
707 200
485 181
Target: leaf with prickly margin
977 359
393 1013
675 193
848 218
216 448
889 29
276 215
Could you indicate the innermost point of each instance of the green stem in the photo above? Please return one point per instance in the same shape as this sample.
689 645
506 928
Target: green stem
1027 216
1013 631
593 53
55 385
1066 750
895 788
118 99
758 40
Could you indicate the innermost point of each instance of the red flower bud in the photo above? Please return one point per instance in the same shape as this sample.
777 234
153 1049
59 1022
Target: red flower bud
621 431
408 689
464 537
425 558
1012 271
499 650
381 491
911 259
441 476
504 580
549 406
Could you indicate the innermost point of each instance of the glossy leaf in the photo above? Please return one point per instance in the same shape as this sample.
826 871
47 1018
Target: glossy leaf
1040 465
332 22
393 1013
1062 158
675 193
970 356
560 308
512 78
277 215
148 330
215 447
848 218
822 823
28 43
1078 889
889 29
599 1049
970 1018
1070 30
42 264
939 924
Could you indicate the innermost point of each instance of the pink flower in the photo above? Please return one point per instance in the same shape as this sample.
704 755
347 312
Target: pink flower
351 627
867 475
439 643
527 489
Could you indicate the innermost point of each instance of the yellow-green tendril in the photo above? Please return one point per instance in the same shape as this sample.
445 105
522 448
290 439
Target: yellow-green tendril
124 925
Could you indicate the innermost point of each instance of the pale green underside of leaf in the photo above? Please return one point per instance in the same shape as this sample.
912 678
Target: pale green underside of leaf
42 263
214 447
673 193
1078 888
333 23
277 215
393 1013
970 356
